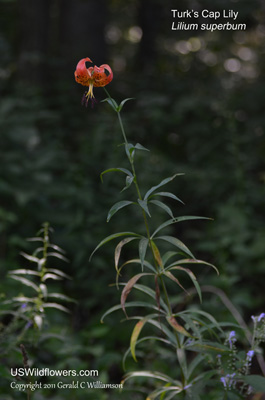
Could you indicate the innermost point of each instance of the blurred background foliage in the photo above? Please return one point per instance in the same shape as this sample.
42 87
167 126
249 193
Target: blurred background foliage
199 108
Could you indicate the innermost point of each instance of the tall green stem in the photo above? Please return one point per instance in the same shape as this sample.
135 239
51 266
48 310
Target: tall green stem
140 198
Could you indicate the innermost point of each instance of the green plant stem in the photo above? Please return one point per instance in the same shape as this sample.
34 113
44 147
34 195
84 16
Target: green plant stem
140 198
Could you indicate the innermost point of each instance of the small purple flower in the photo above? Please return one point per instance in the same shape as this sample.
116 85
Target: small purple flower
261 316
250 355
24 305
232 338
28 325
228 380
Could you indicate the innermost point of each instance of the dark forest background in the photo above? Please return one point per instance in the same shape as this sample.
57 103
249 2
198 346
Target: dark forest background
199 107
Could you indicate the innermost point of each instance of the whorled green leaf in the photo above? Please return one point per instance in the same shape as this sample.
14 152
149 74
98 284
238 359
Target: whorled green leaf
177 243
147 374
192 277
116 207
154 338
195 261
143 204
118 249
130 304
56 305
163 206
111 237
25 281
157 255
143 244
128 287
162 183
174 279
138 261
167 194
135 334
150 292
124 170
175 220
180 329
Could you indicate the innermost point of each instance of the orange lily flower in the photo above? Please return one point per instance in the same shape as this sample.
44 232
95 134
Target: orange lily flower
92 76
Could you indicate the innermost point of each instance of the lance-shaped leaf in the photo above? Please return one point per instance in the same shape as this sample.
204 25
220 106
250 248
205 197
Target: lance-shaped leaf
112 103
256 381
167 194
138 146
119 108
192 277
24 272
148 374
118 249
116 207
25 281
58 272
173 322
163 206
156 254
176 242
51 276
130 304
136 332
111 237
29 257
61 297
128 181
175 220
195 261
162 183
174 279
124 170
142 250
56 305
128 287
144 206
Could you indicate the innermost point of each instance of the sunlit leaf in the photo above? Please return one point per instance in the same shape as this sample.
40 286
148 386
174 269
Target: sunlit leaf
44 290
38 321
59 272
57 255
29 257
138 146
51 276
116 207
128 287
24 272
135 334
61 297
25 281
56 305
